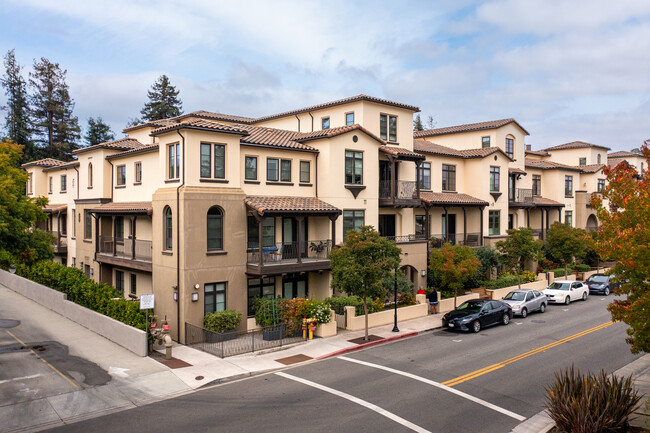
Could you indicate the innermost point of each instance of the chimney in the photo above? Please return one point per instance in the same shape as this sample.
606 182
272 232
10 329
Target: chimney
529 147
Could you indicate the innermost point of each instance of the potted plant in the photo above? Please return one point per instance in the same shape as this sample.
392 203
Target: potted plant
222 325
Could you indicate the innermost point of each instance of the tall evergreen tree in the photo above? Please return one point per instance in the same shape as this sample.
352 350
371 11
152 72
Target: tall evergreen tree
98 132
17 122
57 128
163 101
417 124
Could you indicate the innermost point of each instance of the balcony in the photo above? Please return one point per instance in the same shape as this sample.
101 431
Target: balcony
404 193
407 238
126 252
467 239
60 243
282 257
522 197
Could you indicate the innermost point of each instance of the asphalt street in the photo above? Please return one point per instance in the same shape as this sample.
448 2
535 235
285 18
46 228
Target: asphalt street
441 381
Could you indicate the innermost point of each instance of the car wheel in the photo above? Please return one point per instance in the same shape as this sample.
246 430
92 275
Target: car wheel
506 318
567 300
476 326
542 308
524 313
606 291
584 296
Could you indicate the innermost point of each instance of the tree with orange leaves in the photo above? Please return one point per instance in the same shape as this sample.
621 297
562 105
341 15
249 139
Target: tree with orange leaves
625 237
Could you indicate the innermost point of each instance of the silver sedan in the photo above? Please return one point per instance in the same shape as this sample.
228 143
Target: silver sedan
524 301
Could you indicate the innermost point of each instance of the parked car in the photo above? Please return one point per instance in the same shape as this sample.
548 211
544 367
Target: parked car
601 284
565 291
475 314
524 301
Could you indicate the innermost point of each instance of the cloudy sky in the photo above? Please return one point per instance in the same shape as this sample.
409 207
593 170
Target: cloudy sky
566 70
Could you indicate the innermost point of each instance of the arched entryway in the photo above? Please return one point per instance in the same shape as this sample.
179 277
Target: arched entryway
410 273
592 223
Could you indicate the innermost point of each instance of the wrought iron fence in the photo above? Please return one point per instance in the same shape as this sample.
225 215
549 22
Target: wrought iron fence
124 247
237 342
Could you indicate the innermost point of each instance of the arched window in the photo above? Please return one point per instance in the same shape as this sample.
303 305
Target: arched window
598 157
510 146
168 228
215 229
90 175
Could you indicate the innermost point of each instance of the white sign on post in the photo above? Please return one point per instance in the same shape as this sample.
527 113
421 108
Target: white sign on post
147 302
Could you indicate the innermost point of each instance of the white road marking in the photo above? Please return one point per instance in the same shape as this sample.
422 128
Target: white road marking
117 371
565 309
439 385
456 341
19 378
518 323
356 400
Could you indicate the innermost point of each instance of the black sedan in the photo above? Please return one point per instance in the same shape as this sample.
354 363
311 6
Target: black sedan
475 314
601 284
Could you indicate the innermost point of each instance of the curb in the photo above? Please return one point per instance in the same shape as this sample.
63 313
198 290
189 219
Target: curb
369 344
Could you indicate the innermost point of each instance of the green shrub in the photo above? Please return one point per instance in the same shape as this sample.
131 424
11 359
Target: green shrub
405 299
559 272
501 282
338 304
84 291
222 321
581 267
7 259
267 312
528 277
591 403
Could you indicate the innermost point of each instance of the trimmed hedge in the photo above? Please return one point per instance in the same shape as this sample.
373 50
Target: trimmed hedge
338 304
85 292
222 321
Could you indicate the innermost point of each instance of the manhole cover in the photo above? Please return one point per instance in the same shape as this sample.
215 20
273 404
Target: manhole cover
9 323
538 321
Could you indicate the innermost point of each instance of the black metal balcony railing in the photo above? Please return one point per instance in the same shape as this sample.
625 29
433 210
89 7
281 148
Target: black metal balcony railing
407 238
60 243
283 253
523 195
468 239
404 189
123 247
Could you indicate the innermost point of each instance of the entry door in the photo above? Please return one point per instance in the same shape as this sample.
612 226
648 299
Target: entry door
452 227
387 225
290 238
294 286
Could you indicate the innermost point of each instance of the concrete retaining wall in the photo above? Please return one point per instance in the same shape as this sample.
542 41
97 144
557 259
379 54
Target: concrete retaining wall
126 336
500 293
356 323
445 305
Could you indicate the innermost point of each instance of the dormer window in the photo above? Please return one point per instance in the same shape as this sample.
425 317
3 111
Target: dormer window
583 161
388 127
325 123
349 119
598 158
510 147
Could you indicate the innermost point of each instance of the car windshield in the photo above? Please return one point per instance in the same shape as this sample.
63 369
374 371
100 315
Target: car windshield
597 279
559 286
470 306
515 296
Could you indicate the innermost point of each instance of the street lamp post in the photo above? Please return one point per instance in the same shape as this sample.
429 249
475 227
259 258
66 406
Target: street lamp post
395 328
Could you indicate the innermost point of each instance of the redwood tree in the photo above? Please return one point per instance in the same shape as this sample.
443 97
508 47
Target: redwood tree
625 238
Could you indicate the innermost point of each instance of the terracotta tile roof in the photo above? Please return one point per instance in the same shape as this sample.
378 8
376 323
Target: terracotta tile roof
55 208
492 124
575 145
543 201
275 204
217 116
205 125
537 152
624 154
339 102
271 137
133 207
427 147
401 152
70 164
154 123
143 149
450 199
47 162
121 144
333 132
548 165
515 170
592 168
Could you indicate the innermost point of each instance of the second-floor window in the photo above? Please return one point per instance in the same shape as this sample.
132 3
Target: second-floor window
272 169
601 185
121 175
583 161
250 168
64 183
285 170
349 119
420 225
494 179
568 217
568 186
425 175
325 123
138 172
173 162
213 167
215 229
49 184
88 225
510 147
90 175
494 222
537 185
305 172
388 127
485 141
353 167
598 159
30 185
448 177
169 228
352 220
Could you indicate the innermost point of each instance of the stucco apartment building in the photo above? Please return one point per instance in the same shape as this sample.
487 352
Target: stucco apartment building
209 211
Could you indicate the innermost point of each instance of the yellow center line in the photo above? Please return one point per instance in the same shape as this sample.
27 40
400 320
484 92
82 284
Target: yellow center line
489 368
46 363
